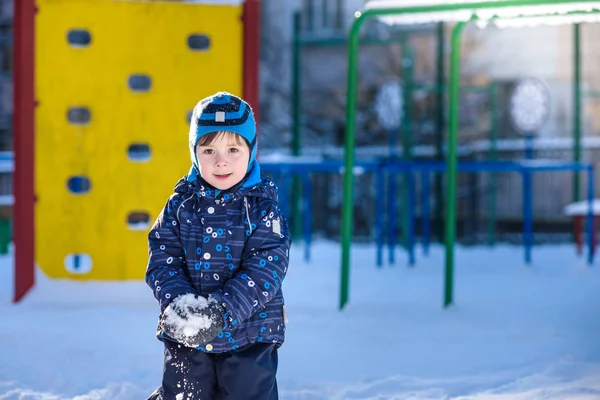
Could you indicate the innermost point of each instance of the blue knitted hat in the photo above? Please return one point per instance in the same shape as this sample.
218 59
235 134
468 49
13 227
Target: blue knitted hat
223 112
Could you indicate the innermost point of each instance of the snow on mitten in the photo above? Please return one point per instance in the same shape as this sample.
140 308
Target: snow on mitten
192 320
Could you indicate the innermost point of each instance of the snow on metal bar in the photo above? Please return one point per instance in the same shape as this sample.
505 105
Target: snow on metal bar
502 16
557 19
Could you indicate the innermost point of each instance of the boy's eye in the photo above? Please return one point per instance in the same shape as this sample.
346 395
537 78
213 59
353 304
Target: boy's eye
207 151
233 150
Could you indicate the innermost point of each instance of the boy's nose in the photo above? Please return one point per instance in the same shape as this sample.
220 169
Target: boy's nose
221 162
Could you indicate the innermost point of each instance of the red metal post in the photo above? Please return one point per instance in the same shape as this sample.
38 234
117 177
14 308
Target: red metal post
578 225
23 134
251 20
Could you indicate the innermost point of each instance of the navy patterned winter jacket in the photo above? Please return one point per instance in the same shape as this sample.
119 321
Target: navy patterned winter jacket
234 247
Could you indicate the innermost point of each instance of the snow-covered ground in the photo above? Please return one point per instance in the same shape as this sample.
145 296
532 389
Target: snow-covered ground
515 332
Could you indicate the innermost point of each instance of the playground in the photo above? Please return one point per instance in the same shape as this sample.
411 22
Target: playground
402 283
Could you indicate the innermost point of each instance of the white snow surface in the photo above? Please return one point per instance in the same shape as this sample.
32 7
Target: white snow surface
514 332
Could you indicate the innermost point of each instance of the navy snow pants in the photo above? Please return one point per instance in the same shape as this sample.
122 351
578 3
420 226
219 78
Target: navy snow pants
246 374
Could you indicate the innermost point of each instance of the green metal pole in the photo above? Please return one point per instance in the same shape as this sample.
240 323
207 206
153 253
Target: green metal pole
339 14
452 161
493 155
348 205
440 124
408 62
576 105
5 235
311 15
470 7
296 94
296 115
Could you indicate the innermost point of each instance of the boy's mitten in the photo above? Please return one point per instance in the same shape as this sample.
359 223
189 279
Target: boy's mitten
192 320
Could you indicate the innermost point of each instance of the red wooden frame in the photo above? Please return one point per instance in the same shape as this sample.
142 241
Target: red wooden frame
23 134
24 120
251 19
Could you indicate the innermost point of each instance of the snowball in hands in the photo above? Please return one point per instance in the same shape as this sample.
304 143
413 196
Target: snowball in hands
192 320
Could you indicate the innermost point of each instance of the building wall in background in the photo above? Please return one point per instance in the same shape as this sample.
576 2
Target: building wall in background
490 54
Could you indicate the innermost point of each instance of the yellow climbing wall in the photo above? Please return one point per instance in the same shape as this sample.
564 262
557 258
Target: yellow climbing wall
88 117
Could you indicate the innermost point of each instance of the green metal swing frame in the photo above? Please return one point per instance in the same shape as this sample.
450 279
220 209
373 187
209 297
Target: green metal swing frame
453 100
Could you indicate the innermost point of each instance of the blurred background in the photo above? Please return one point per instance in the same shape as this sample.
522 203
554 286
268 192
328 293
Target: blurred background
115 83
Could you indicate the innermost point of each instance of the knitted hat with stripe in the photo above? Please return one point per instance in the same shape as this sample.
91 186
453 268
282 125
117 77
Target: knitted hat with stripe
223 112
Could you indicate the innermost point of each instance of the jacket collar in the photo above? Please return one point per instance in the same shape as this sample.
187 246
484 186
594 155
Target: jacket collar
252 185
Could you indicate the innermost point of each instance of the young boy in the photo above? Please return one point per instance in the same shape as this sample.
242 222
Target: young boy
218 254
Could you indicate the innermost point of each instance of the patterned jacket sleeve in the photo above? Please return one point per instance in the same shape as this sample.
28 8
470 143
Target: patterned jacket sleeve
166 260
263 266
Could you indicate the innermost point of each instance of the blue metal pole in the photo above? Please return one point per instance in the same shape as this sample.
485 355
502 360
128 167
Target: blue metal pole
306 190
391 205
425 211
411 216
529 147
527 215
527 201
379 213
590 215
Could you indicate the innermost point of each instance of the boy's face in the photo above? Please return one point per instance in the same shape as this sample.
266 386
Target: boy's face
224 162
